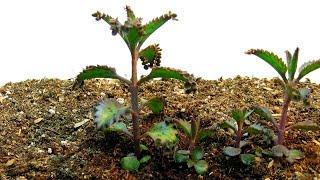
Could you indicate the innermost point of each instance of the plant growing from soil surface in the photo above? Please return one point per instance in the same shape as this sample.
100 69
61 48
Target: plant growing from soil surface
291 92
134 33
236 124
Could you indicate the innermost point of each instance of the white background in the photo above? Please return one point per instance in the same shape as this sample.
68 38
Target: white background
57 38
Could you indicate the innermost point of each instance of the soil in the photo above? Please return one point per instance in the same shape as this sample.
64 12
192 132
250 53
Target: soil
39 140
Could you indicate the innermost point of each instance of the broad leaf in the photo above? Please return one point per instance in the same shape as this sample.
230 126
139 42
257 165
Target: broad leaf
181 156
279 151
163 134
294 155
307 68
292 64
247 159
185 126
130 163
119 127
156 105
254 129
306 126
167 73
272 60
197 154
201 167
150 56
231 123
108 112
145 159
156 23
231 151
92 72
264 113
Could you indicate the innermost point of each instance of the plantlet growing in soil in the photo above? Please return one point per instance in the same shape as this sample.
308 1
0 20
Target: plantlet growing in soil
287 73
236 123
134 33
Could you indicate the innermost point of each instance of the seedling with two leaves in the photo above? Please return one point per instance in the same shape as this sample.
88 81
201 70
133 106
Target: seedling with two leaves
134 33
236 124
291 92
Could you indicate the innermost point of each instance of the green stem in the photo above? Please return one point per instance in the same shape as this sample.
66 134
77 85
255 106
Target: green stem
283 119
134 103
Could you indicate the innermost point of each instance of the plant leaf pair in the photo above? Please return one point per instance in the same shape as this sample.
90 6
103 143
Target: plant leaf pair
185 126
131 163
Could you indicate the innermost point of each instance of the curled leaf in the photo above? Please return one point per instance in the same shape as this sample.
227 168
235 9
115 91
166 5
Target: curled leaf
150 56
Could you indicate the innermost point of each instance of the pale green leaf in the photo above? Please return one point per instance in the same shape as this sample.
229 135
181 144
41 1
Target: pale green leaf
119 127
145 159
163 133
185 126
201 167
231 151
294 155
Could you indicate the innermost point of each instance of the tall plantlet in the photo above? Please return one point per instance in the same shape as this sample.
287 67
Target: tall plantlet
287 72
134 34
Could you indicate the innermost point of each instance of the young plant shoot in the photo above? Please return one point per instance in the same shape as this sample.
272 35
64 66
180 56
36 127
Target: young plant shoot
134 34
291 92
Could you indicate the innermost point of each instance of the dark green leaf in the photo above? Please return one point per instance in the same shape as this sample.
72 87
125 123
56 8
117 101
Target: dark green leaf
264 113
150 56
203 134
167 73
130 163
108 112
306 126
272 60
307 68
294 155
197 154
254 129
185 126
92 72
145 159
156 23
292 64
231 151
163 133
181 156
238 115
201 167
156 105
231 123
247 159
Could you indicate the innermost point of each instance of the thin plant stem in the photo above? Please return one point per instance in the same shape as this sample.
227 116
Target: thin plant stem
283 119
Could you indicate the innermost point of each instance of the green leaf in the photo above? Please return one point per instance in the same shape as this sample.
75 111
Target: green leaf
301 94
130 163
306 126
240 115
167 73
307 68
294 155
247 159
185 126
264 113
108 112
92 72
231 151
156 105
119 127
292 64
201 167
269 136
254 129
145 159
143 147
150 56
197 154
163 133
272 60
279 151
130 13
190 163
231 123
203 134
156 23
181 156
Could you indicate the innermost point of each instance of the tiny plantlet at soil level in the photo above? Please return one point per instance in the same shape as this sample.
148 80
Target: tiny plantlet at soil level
134 33
289 82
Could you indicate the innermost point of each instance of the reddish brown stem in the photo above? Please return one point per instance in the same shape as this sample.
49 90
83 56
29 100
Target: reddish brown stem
239 134
283 119
194 134
134 103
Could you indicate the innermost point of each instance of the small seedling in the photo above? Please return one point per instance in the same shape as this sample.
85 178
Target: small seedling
193 159
134 33
236 124
291 92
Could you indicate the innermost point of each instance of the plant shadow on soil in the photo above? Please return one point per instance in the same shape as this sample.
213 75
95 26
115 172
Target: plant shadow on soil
38 139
